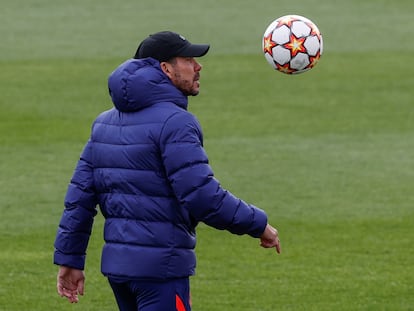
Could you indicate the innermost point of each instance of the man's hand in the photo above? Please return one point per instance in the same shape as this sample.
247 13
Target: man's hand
70 283
270 238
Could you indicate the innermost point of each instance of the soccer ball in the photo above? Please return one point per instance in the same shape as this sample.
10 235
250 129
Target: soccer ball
292 44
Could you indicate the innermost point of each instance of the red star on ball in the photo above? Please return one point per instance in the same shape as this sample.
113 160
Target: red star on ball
313 60
268 44
287 20
295 45
314 31
285 68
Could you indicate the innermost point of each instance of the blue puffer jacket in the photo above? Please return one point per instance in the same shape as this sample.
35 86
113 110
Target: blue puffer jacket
146 168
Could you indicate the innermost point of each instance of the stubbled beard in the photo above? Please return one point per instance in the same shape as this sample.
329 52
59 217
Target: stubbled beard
186 86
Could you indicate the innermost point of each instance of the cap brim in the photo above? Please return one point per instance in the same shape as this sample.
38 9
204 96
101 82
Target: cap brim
195 50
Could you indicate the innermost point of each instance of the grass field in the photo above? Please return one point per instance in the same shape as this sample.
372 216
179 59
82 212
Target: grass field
328 154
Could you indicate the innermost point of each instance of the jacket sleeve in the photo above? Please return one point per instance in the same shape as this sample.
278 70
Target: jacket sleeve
194 184
76 223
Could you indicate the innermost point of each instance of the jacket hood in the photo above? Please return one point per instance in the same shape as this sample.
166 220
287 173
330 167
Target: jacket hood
140 83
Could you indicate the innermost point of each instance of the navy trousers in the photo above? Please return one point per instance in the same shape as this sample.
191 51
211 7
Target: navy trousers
170 295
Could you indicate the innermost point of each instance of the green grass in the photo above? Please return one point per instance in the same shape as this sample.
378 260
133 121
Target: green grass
328 154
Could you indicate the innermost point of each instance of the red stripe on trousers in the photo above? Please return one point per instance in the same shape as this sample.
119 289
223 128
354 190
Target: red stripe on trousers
179 305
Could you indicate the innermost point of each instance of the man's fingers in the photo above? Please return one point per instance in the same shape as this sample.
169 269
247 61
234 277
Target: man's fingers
278 248
81 287
71 295
271 244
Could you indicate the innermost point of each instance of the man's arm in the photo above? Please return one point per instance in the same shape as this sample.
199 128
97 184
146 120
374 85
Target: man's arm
75 228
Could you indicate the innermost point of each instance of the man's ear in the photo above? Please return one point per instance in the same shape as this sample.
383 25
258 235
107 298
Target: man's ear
166 68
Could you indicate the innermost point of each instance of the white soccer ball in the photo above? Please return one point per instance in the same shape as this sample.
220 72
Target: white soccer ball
292 44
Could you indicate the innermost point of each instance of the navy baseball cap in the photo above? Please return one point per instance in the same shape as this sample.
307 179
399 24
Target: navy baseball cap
165 45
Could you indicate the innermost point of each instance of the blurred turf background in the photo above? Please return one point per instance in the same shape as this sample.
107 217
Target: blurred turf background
328 154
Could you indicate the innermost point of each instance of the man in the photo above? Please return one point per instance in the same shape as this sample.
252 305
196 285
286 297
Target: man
145 166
